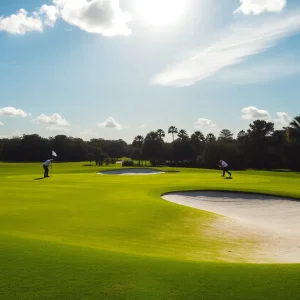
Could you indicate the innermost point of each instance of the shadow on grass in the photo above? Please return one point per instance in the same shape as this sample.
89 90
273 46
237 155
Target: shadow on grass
278 170
41 178
228 178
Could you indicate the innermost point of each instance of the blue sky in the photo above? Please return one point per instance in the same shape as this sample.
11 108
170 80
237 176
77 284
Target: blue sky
114 69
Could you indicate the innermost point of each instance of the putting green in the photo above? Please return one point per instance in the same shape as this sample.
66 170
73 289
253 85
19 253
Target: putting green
78 235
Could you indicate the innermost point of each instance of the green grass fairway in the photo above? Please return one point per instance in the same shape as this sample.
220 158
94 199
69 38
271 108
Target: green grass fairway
83 236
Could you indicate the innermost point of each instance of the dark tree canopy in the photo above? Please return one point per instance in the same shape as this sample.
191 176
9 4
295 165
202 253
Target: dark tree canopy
260 147
225 135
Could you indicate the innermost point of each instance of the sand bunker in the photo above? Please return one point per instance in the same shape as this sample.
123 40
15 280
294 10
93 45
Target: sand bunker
134 171
275 218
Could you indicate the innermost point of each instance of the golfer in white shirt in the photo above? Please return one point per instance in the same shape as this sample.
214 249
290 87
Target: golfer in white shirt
222 164
46 167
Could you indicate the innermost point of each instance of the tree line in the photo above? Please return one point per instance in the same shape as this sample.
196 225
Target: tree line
258 147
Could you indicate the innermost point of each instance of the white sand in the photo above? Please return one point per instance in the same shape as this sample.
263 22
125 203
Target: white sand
277 219
134 171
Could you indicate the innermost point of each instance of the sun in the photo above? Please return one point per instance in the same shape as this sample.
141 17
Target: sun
159 12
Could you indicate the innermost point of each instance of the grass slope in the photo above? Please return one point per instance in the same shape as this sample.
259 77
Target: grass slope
78 235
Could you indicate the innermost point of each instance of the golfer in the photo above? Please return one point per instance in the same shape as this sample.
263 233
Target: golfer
46 165
222 164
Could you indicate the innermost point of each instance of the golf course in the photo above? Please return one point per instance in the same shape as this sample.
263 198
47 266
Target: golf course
81 235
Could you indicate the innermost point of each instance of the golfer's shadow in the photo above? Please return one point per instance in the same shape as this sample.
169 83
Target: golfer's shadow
41 178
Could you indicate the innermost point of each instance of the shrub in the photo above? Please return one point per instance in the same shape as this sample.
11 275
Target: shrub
127 163
107 161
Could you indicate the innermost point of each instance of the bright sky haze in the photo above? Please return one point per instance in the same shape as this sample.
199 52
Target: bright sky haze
114 69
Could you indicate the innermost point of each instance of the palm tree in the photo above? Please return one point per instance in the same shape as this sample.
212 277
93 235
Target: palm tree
295 124
173 130
210 138
182 134
293 130
153 147
138 142
151 136
198 136
197 140
161 134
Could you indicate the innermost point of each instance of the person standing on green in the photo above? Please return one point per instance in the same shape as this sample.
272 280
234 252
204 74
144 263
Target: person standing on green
46 165
224 165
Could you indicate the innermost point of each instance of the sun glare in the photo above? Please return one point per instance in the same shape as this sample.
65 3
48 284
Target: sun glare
159 12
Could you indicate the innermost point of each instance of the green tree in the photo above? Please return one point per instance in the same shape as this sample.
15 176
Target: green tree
173 130
138 143
136 154
198 136
293 130
225 135
292 133
107 161
99 156
197 141
260 129
153 148
161 134
90 157
277 149
212 154
295 124
182 134
242 137
210 138
258 143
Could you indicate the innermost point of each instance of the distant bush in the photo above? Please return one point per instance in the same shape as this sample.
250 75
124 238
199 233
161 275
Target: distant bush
127 163
113 161
107 161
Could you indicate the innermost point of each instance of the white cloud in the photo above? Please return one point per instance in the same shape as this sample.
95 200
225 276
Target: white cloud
234 46
51 14
204 123
53 122
12 112
110 123
282 120
21 23
1 124
259 73
257 7
95 16
253 113
206 126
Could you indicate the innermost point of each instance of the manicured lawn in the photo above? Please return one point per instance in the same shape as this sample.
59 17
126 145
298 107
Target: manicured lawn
79 235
